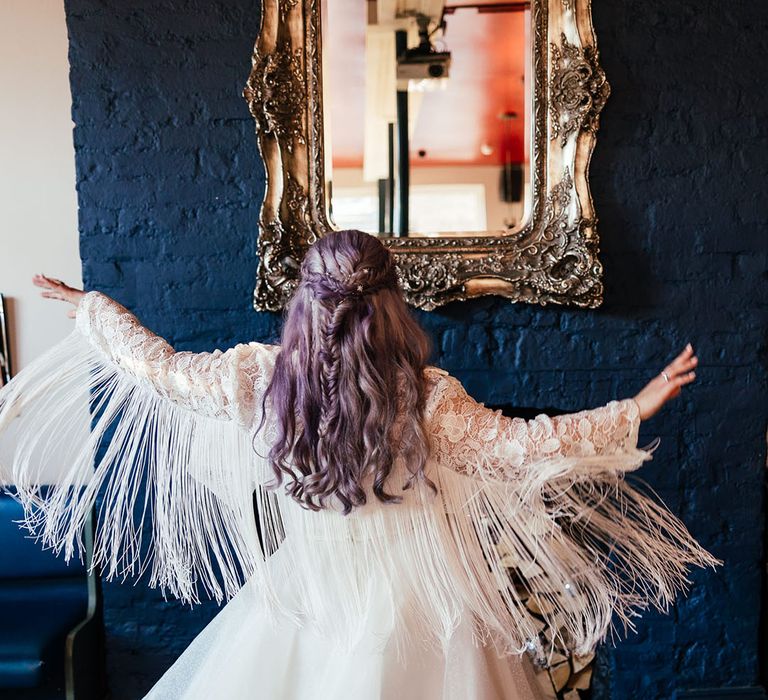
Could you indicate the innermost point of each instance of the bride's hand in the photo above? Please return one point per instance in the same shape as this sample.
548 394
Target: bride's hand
667 384
56 289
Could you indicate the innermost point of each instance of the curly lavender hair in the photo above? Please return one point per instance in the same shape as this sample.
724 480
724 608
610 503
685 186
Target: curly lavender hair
351 365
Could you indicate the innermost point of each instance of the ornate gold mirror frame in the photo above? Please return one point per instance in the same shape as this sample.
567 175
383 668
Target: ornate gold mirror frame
552 259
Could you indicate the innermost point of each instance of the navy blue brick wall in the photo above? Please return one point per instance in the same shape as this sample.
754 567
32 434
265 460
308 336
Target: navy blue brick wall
170 184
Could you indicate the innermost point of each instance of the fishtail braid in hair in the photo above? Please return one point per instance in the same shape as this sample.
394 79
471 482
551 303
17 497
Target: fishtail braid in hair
351 367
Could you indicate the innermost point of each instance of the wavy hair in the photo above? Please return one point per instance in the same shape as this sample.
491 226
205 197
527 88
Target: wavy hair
351 364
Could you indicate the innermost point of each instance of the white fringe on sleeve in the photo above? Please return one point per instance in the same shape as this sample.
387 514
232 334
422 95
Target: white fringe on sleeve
569 556
74 425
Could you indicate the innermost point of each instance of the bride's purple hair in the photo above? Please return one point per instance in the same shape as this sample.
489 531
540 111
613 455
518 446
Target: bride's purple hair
351 365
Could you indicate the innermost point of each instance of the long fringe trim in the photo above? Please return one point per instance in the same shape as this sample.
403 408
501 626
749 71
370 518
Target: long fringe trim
571 548
73 425
571 558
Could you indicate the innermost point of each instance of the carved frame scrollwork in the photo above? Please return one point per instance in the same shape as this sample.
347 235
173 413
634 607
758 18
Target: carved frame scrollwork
552 259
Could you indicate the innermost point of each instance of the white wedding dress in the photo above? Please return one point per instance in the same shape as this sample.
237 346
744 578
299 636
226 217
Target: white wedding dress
532 540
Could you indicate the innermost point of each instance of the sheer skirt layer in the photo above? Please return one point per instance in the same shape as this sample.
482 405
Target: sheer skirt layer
245 653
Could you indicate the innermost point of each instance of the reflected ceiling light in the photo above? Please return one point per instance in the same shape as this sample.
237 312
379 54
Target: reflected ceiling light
486 149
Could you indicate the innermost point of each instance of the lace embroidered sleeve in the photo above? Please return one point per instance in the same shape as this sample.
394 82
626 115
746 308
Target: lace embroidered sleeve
468 437
216 384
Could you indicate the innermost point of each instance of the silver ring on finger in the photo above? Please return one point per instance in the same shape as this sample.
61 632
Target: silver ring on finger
665 375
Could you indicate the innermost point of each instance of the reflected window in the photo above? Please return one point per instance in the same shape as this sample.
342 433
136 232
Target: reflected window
434 208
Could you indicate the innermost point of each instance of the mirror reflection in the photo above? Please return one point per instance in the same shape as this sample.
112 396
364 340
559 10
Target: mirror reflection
427 107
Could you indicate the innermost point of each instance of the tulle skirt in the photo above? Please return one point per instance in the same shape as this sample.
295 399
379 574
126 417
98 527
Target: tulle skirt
247 653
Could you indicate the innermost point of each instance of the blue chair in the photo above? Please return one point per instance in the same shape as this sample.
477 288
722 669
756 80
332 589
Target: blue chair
51 625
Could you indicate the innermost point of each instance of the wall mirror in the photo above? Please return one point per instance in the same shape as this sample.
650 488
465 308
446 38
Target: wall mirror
458 131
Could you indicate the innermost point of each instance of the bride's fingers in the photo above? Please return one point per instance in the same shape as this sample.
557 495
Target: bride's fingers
47 282
684 356
682 364
60 296
676 385
40 281
683 367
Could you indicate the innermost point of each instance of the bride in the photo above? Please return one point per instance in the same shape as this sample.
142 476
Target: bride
377 532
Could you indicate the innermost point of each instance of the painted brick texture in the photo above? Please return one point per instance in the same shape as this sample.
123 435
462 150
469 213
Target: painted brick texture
170 184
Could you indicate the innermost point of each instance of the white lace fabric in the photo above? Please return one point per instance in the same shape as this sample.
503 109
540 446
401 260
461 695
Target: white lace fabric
466 434
525 510
216 384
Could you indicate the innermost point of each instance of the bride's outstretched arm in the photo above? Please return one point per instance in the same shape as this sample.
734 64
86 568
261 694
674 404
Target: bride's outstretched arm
474 439
220 384
470 436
